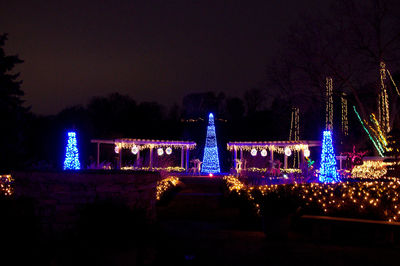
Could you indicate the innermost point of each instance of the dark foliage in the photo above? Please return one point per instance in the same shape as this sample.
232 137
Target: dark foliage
12 114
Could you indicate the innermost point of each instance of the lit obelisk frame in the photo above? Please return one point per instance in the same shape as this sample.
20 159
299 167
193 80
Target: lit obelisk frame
210 156
138 145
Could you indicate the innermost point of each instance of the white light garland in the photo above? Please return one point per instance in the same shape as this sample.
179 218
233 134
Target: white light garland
129 144
271 148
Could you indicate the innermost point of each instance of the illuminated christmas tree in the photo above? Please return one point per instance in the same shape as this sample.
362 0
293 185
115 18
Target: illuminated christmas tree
328 172
71 161
210 158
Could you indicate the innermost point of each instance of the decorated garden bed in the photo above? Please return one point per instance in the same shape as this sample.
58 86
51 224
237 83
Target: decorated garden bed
281 205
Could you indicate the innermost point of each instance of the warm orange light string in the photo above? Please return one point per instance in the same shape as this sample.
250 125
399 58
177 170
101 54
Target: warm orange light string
381 197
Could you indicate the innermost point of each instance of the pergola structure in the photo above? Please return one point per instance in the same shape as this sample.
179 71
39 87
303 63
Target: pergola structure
281 147
137 145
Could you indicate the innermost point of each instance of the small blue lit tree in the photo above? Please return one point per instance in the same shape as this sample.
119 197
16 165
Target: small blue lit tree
328 171
71 161
210 158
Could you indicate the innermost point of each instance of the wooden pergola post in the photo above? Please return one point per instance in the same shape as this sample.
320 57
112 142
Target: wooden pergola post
340 162
234 157
138 158
242 159
285 162
187 159
98 155
182 156
120 159
151 158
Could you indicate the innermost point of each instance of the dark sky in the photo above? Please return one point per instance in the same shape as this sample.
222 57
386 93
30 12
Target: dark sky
151 50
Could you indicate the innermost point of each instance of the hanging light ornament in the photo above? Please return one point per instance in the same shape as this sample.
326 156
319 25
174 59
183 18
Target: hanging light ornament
264 153
135 150
253 152
168 151
116 149
288 152
160 151
306 153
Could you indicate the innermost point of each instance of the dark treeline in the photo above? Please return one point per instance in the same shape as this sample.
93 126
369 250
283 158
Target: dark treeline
348 44
33 141
120 116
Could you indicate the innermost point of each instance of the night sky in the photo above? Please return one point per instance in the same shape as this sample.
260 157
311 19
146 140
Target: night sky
150 50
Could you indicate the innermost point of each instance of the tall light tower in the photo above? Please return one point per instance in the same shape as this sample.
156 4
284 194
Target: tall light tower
210 157
71 161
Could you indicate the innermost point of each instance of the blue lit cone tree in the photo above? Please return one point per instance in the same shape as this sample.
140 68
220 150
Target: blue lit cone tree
210 157
328 171
71 161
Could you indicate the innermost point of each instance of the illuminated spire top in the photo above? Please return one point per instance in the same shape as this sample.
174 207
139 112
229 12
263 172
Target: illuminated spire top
211 119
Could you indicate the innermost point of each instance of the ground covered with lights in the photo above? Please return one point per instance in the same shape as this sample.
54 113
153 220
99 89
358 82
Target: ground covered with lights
378 200
223 220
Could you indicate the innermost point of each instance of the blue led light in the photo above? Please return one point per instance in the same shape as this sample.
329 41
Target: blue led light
71 161
210 157
328 170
